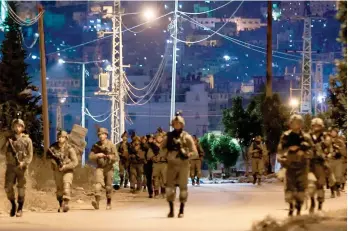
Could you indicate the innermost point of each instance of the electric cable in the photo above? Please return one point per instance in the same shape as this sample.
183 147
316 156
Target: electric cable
214 32
208 11
108 36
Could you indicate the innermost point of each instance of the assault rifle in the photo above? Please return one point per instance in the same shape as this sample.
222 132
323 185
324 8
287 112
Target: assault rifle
14 151
182 154
55 157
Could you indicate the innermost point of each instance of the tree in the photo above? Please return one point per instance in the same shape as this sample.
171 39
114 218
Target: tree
275 117
338 83
206 142
227 150
17 94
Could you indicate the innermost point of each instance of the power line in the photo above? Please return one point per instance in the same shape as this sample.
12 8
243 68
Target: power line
208 11
108 36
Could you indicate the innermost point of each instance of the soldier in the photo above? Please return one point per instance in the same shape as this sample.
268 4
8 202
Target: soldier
145 147
257 153
344 139
158 156
196 163
336 160
123 151
104 153
137 160
64 161
181 147
318 164
295 150
19 154
148 166
160 131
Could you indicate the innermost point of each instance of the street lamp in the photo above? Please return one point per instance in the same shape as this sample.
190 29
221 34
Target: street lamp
149 14
294 103
83 102
61 100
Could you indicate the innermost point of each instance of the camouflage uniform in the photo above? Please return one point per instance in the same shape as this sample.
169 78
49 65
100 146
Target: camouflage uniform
159 170
196 163
181 147
64 161
318 164
105 167
145 147
257 152
296 162
336 160
123 151
137 160
19 154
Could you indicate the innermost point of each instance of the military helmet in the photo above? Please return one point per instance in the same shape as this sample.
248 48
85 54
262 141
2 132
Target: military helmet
18 121
125 134
136 140
333 129
103 131
178 117
62 134
295 117
317 121
150 136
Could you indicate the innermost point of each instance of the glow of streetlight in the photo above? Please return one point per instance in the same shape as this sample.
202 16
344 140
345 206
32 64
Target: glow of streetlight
149 14
61 61
294 102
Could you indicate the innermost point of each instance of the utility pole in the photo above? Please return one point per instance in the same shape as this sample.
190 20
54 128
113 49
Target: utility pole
174 33
269 50
43 82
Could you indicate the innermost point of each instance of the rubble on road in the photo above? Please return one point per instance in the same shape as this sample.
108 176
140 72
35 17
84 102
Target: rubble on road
333 220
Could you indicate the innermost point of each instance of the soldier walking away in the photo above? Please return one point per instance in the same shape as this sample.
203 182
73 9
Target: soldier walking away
196 163
137 160
336 160
145 147
181 147
295 151
318 164
104 153
123 151
19 154
64 161
148 166
257 153
158 156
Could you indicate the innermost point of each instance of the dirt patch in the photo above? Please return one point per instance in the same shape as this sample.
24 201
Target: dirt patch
334 220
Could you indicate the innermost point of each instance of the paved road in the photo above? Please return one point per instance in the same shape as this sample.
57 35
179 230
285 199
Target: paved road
228 207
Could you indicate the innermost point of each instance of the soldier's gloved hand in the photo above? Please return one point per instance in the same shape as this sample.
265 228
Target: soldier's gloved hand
100 155
61 169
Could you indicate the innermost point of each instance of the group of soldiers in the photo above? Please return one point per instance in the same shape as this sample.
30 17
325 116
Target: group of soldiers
161 161
312 160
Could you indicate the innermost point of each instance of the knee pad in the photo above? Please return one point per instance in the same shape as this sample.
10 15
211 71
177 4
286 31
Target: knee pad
300 197
21 192
289 197
183 195
98 186
108 189
170 192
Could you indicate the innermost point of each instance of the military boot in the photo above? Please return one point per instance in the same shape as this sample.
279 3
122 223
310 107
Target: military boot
121 180
13 208
333 192
171 209
144 189
291 209
342 186
108 204
60 201
338 192
298 208
163 192
198 183
156 194
66 205
95 203
20 208
132 190
320 205
327 183
193 181
259 181
254 181
126 183
311 209
181 211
